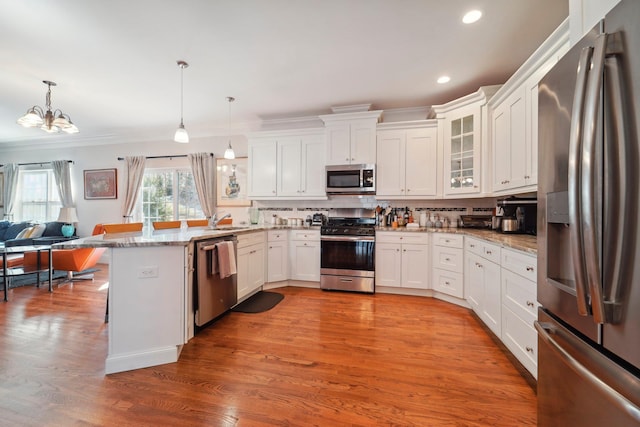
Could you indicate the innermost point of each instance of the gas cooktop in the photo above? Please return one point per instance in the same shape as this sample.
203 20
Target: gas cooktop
341 226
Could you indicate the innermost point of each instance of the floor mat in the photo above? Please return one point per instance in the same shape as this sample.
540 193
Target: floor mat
262 301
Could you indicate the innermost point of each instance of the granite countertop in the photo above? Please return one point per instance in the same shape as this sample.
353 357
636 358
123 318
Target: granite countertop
522 242
177 237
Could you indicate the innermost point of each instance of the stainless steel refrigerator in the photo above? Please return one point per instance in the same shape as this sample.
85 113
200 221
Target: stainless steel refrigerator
588 229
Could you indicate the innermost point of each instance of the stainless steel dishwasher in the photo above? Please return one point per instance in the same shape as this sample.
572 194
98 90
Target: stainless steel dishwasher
214 296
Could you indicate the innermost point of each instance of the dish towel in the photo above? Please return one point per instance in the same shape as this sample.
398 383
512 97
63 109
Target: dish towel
226 259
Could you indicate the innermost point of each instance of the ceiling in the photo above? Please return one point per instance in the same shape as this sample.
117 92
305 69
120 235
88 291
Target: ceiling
115 61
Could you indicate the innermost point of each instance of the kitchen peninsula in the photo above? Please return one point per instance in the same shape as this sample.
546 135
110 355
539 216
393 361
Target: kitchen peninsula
150 293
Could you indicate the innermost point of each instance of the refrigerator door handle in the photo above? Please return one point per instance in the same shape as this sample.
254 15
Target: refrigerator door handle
622 180
574 183
590 226
548 332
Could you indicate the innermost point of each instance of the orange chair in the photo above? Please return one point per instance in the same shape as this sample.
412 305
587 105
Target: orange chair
197 222
226 221
122 228
71 260
163 225
13 260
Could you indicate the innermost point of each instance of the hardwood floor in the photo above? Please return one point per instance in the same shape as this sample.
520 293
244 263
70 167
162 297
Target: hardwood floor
317 358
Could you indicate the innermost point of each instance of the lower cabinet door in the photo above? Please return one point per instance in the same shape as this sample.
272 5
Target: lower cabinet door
305 260
388 264
415 266
277 261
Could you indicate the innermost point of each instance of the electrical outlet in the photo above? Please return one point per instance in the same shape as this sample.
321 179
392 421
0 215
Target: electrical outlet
148 271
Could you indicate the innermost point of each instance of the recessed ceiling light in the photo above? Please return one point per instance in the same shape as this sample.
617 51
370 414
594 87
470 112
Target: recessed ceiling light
471 16
443 79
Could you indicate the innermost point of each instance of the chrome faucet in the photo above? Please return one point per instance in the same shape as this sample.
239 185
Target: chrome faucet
215 221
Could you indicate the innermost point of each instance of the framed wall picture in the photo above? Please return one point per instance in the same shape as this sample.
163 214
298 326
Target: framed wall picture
231 182
100 184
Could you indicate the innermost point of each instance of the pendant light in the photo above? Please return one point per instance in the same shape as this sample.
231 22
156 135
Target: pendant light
181 133
228 153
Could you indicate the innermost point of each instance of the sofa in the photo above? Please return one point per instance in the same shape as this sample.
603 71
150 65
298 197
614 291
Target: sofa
23 233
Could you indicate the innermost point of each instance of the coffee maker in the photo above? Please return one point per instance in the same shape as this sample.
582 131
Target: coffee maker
520 215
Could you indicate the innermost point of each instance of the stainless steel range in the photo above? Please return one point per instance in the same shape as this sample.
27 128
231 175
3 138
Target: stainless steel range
347 260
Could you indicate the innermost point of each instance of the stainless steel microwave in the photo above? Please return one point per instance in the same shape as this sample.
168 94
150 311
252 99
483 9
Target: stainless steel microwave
351 179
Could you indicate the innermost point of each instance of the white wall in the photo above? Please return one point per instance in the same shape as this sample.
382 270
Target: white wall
91 212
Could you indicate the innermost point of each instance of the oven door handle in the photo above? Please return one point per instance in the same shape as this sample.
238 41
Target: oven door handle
348 238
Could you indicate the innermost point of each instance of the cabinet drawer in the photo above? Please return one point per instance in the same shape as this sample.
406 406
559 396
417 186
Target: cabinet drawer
448 240
416 238
277 235
484 249
520 263
248 239
305 235
521 339
519 295
449 259
448 282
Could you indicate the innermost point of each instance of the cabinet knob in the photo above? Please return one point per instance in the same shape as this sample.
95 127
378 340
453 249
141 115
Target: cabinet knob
273 191
529 268
397 250
352 159
447 240
488 252
471 245
527 177
530 304
408 189
447 259
529 349
447 283
404 250
346 160
270 247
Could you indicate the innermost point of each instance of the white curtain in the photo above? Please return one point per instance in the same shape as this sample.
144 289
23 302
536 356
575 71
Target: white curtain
62 174
204 176
11 171
135 173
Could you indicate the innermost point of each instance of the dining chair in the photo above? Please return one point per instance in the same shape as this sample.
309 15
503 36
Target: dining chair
197 222
122 228
163 225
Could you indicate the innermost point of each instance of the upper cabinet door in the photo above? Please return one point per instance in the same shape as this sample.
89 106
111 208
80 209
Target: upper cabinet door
390 168
313 171
462 137
363 142
338 144
262 168
289 167
421 162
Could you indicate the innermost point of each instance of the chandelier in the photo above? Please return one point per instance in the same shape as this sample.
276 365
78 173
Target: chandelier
51 122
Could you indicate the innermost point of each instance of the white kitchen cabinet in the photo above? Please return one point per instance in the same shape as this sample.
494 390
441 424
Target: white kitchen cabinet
509 142
250 263
287 165
514 119
304 246
407 165
262 166
402 259
277 255
519 307
447 264
462 125
351 137
482 281
300 167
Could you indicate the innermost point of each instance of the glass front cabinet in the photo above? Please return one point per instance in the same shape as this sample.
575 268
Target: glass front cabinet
462 125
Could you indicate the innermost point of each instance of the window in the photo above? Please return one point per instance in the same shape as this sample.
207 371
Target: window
37 196
168 194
